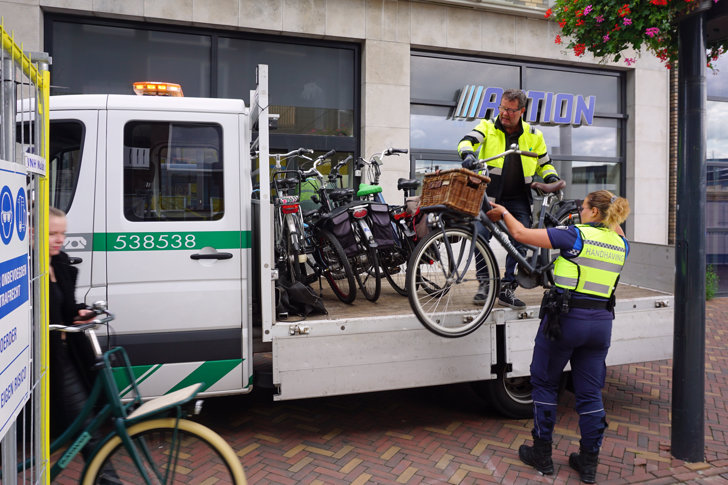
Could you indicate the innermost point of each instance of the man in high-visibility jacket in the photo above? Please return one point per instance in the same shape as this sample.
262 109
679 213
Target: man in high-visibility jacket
511 176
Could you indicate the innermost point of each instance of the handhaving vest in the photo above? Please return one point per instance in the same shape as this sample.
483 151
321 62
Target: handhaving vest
596 269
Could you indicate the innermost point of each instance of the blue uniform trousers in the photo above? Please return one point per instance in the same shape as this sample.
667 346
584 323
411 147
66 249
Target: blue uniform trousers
584 342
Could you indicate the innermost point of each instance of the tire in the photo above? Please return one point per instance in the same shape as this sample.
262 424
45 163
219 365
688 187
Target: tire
393 262
293 265
510 397
331 259
441 300
201 454
369 276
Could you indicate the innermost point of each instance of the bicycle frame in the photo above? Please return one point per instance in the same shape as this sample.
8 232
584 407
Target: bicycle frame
113 408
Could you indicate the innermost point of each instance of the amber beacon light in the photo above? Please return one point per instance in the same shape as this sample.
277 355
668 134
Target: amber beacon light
153 88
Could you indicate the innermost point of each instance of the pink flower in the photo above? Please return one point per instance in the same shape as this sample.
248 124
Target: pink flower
629 60
588 8
627 21
605 38
599 19
652 31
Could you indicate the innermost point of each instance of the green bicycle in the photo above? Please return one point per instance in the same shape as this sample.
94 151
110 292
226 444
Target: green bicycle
148 442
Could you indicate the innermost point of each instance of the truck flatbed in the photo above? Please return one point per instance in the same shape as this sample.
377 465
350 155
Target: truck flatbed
391 303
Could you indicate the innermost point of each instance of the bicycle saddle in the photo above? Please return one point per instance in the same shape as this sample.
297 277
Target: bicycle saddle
340 194
548 188
366 189
287 183
407 184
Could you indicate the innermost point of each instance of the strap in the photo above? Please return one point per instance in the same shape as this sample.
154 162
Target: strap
589 304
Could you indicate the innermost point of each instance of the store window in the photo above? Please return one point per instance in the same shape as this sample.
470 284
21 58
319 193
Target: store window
314 85
173 171
580 111
716 204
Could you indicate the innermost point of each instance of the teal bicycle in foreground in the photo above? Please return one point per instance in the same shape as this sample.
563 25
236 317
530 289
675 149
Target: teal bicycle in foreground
143 443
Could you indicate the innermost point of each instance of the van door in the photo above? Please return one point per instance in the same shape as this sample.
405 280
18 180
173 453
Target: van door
174 247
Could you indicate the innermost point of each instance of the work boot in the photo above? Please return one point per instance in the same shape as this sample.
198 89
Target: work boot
586 464
538 456
481 294
507 297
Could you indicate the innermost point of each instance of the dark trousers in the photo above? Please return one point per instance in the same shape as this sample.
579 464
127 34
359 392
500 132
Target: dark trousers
521 210
584 343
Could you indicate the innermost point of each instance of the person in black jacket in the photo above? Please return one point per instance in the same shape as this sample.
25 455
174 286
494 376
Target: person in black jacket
69 379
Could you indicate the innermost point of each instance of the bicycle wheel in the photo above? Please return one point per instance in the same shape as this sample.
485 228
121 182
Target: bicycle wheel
195 455
294 248
366 267
393 262
442 279
331 259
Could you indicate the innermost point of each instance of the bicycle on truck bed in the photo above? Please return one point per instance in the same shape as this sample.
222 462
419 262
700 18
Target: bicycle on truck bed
289 242
149 443
448 265
392 258
352 222
327 257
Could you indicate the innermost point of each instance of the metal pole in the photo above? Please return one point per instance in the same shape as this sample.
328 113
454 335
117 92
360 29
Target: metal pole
688 393
9 442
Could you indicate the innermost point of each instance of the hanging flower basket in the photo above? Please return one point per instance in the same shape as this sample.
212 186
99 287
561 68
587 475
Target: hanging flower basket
607 28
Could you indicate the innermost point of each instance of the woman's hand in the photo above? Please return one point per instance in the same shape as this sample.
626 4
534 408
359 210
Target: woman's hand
84 316
496 213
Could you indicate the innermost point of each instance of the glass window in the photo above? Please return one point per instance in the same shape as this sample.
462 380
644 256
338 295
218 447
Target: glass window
601 139
605 88
66 148
311 87
173 171
717 84
717 130
585 177
430 128
440 79
101 59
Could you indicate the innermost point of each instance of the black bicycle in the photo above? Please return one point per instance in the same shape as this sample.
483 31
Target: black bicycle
448 265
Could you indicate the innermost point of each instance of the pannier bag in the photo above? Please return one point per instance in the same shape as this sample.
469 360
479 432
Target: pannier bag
340 226
381 225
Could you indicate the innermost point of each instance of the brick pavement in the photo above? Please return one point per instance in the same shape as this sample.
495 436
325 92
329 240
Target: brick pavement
444 435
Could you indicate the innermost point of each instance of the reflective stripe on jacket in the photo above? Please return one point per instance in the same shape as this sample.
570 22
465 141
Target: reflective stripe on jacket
596 269
491 141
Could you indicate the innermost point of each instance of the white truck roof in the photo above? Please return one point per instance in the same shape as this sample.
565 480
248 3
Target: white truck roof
146 103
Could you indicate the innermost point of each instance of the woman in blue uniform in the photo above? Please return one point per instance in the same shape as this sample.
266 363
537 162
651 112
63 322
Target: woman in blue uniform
576 324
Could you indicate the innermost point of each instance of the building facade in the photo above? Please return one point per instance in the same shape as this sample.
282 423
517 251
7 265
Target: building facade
362 75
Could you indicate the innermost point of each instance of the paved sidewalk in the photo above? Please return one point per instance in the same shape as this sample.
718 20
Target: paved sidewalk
443 434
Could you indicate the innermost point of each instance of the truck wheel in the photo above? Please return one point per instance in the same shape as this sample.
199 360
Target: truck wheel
509 396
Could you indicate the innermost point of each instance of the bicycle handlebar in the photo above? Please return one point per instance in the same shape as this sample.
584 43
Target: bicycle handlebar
512 149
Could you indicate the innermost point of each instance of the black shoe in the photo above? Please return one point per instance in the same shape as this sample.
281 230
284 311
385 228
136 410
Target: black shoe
586 464
507 297
538 456
482 293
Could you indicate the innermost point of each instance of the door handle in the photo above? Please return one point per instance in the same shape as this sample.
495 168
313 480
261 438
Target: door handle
211 256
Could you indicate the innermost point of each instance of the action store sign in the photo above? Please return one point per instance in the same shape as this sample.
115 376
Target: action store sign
15 374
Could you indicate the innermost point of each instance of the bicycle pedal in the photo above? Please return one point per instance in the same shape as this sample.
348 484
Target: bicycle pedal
302 258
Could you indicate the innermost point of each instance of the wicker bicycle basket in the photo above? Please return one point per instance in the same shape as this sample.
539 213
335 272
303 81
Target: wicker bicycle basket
457 189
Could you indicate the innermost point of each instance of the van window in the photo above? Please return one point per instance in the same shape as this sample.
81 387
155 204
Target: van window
173 171
66 147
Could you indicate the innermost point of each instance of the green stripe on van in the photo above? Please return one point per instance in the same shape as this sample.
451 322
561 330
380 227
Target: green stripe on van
140 372
209 373
166 241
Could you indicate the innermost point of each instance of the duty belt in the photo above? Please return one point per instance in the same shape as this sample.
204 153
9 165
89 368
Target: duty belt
589 304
